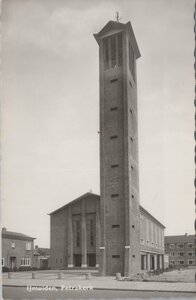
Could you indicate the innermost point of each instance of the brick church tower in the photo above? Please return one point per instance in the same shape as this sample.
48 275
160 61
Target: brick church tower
119 177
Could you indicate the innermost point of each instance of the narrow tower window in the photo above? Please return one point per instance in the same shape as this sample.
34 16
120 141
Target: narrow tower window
106 53
113 51
120 51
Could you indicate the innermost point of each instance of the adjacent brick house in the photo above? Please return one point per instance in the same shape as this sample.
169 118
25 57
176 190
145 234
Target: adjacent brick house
75 236
181 250
17 250
41 257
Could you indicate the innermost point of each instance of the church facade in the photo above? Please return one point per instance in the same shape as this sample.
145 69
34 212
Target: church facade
117 234
75 237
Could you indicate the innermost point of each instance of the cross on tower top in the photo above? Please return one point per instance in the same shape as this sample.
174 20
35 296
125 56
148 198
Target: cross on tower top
117 17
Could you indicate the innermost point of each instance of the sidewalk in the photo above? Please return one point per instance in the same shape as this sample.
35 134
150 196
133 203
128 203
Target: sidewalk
105 283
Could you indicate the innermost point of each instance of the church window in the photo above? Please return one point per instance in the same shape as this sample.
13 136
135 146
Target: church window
91 232
77 233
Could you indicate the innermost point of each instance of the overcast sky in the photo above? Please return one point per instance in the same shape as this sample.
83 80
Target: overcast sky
50 108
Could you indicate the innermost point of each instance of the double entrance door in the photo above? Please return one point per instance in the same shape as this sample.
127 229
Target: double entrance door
91 260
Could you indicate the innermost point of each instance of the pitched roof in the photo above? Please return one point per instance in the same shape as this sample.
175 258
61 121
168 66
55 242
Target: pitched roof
16 235
172 239
98 197
113 25
44 251
74 201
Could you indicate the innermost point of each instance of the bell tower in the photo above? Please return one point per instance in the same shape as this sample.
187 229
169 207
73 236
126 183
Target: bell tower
119 171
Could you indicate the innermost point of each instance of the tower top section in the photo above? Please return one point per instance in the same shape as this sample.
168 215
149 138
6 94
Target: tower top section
113 27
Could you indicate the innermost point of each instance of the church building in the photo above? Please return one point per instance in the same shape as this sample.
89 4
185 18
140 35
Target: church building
112 230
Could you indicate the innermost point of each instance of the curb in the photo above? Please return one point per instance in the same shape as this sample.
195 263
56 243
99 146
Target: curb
117 289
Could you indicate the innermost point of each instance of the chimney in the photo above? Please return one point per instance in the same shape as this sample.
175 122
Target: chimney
4 229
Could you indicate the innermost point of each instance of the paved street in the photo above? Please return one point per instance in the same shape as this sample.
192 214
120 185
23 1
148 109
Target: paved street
102 287
22 293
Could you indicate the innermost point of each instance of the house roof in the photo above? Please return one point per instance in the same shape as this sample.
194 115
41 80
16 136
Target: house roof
114 26
142 210
172 239
44 251
16 235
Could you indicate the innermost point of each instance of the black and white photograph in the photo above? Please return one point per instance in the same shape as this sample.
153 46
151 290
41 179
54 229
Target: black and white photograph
97 149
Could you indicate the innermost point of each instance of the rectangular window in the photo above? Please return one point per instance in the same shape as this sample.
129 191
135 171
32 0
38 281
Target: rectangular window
114 195
28 245
92 240
131 60
114 108
120 49
113 137
172 254
114 166
172 246
113 50
13 244
106 53
190 245
142 241
115 226
115 256
180 262
2 261
180 246
77 233
191 261
172 262
114 80
180 253
25 261
91 232
191 253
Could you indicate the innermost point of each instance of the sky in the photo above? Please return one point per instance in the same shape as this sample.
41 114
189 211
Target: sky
50 108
